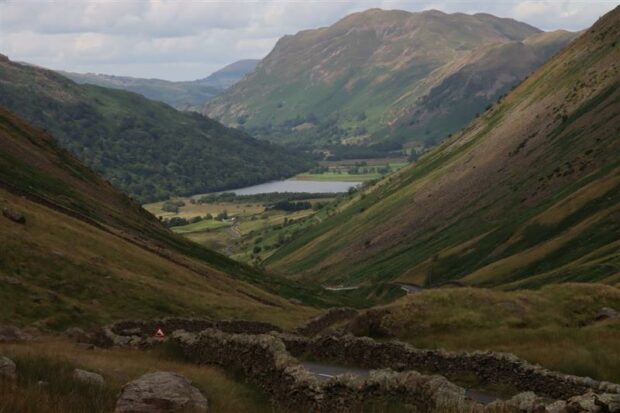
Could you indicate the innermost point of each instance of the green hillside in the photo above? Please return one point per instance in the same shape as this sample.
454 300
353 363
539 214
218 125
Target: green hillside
384 79
143 147
183 95
525 195
87 254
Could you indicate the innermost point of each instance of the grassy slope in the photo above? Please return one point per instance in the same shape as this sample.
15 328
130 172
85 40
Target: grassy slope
53 359
143 147
554 326
525 195
89 254
395 74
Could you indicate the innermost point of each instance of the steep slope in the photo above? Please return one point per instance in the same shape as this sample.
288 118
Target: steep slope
384 78
143 147
188 95
88 254
525 195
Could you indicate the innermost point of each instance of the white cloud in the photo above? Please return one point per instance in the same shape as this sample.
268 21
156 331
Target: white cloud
186 39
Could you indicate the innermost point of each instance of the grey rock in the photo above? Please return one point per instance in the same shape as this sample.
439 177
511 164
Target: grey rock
11 334
77 334
160 392
14 215
88 377
606 313
8 369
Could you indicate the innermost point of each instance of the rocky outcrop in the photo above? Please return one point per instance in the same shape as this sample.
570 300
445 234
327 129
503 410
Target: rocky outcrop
78 335
160 392
325 320
8 369
88 377
14 215
12 334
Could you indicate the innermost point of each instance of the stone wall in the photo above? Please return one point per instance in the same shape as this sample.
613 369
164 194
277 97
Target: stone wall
488 367
264 361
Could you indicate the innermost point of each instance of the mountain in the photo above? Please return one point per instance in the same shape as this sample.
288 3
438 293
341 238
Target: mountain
384 78
230 74
187 95
525 195
143 147
87 254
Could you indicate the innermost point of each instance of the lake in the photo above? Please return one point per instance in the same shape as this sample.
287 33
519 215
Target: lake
291 185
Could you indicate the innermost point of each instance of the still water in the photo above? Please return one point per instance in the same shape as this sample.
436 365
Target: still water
291 185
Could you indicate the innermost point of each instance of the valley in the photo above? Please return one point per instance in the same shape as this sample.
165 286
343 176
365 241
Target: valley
401 211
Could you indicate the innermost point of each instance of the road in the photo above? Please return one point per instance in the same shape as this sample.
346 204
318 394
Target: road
410 288
327 371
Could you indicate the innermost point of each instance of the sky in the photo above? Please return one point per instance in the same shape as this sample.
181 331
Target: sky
189 39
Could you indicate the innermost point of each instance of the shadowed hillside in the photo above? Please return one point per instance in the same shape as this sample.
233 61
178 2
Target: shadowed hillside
145 148
525 195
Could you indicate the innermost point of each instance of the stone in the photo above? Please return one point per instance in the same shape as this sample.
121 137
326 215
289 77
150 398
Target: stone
85 346
606 313
160 392
11 334
8 369
13 281
609 401
77 334
88 377
14 215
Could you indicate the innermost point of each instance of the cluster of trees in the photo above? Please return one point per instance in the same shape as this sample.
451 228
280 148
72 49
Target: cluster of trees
290 206
172 206
143 147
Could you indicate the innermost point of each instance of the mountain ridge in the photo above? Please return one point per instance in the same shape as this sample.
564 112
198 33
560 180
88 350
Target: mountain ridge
351 82
525 195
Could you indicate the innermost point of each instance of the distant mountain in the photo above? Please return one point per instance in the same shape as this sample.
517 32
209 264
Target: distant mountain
145 148
527 194
384 78
182 95
230 74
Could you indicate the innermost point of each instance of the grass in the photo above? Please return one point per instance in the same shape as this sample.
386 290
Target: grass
53 359
204 225
553 327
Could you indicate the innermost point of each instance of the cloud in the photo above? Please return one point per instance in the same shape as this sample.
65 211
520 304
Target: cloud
186 39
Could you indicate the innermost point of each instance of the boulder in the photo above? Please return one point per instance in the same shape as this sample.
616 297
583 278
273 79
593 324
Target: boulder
606 313
78 335
10 334
8 370
88 377
160 392
14 215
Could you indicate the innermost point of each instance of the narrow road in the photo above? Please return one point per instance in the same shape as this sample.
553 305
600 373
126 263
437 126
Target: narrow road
410 288
326 371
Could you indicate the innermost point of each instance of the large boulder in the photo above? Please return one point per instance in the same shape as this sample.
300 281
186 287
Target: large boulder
88 377
8 370
160 392
11 334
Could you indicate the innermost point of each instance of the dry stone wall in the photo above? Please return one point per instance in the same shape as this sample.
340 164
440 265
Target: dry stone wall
489 367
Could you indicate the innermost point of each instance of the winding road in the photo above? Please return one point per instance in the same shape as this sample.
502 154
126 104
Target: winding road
326 371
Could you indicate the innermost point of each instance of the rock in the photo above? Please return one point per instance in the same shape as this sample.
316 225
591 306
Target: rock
88 377
13 281
8 369
77 334
42 383
10 334
85 346
14 215
584 403
609 401
160 392
606 313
